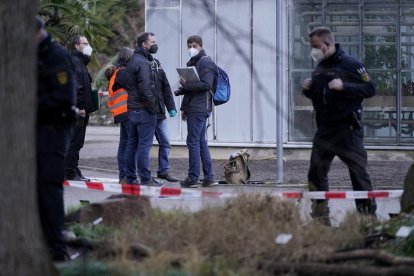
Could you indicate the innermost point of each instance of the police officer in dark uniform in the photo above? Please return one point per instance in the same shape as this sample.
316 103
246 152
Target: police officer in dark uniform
338 86
56 97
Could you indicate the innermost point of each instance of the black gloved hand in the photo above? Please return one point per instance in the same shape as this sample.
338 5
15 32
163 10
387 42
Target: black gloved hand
179 92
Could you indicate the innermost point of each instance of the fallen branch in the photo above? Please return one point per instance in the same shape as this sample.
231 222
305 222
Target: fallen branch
334 269
380 256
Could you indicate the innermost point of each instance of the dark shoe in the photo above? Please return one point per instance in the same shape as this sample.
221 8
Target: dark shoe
366 207
167 177
153 183
209 183
131 182
187 183
84 178
74 178
60 255
320 211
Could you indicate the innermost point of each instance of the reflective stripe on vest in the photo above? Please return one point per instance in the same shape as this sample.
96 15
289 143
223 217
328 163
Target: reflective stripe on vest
117 102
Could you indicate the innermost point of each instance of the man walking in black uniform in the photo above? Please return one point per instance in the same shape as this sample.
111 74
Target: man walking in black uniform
338 86
80 53
56 99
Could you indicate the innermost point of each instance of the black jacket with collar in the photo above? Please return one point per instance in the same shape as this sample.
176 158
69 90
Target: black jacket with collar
141 82
164 94
83 81
197 95
56 84
336 109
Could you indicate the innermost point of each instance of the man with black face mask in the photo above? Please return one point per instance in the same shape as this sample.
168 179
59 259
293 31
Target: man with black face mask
337 88
80 53
148 94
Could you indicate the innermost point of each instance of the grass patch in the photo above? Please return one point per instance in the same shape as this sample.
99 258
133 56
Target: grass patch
235 239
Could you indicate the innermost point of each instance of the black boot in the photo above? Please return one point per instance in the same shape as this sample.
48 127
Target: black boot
320 211
366 207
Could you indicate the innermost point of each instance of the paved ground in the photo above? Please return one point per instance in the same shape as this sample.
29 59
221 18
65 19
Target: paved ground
98 161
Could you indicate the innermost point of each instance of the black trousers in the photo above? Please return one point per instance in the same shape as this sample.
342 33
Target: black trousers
52 143
77 140
347 144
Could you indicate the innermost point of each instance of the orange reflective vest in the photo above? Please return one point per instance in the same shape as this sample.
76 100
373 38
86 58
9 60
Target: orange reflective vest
117 102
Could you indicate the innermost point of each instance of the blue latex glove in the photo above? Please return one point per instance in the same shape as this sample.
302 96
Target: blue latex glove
172 113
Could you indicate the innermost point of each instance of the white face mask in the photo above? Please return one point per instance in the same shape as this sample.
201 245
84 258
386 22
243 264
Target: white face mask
193 52
317 55
87 50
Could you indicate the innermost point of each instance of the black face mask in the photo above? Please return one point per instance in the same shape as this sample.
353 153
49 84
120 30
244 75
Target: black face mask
153 49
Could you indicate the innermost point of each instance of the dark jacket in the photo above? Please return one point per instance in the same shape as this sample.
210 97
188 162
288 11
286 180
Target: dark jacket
338 109
56 84
163 89
121 80
141 82
83 81
197 95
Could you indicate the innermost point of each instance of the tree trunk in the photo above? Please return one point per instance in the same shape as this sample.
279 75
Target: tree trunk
407 198
22 250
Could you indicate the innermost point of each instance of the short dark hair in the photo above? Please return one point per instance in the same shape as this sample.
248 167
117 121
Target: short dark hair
143 37
195 38
74 40
323 32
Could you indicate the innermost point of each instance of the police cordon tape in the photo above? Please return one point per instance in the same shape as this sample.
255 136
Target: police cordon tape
103 93
172 192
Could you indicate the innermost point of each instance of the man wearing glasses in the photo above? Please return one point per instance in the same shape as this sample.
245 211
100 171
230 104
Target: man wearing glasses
80 53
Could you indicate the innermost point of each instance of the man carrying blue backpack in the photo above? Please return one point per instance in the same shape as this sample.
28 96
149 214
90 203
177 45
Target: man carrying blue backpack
196 108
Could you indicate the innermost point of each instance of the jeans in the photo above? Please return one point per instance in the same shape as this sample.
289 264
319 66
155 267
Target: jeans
197 146
143 123
123 140
161 133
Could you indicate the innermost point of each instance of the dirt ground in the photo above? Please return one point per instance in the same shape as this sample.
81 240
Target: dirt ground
384 174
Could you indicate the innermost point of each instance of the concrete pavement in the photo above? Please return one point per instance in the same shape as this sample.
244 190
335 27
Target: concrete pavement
98 161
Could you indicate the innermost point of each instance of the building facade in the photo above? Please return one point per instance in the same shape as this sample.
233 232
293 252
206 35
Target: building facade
264 47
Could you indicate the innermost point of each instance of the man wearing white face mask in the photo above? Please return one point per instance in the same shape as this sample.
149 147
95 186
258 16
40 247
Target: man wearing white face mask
196 107
80 53
337 88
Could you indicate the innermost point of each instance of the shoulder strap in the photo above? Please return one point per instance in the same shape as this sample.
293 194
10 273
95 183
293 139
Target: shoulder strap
112 82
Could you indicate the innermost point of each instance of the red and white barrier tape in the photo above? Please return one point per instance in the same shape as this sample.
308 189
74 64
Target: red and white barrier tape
151 191
103 93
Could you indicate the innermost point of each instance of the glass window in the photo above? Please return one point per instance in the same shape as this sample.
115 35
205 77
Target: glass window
407 75
379 34
163 3
306 15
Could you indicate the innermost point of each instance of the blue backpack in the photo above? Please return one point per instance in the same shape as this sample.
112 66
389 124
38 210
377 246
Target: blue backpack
221 92
223 88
